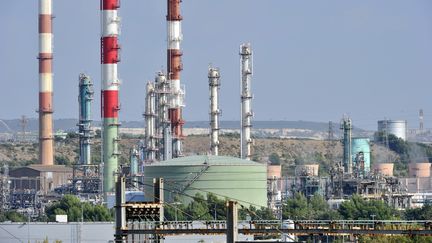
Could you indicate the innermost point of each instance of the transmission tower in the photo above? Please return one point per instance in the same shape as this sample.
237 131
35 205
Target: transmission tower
23 123
421 121
330 141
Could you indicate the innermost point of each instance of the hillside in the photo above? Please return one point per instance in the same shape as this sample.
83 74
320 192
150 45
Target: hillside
288 151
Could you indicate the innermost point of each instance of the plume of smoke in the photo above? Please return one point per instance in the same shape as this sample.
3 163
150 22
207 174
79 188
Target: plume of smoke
381 154
416 153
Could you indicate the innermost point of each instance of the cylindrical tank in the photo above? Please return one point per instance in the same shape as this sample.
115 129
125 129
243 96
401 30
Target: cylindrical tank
274 171
225 177
386 169
419 169
361 145
395 127
307 170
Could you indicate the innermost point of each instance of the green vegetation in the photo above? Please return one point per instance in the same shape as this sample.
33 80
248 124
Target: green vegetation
423 213
300 207
12 216
73 208
62 160
394 239
211 208
396 144
359 208
274 159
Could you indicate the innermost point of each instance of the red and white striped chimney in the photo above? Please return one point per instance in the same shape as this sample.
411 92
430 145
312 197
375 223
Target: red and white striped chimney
46 150
110 86
174 66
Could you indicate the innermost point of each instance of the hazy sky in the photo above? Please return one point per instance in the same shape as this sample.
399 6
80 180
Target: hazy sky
313 60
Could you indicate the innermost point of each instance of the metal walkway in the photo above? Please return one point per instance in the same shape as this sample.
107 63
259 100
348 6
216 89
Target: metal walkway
299 227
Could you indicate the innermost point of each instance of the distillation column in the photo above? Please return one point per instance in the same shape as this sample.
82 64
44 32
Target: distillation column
346 126
134 166
246 98
46 140
150 129
163 122
110 85
84 124
175 66
214 84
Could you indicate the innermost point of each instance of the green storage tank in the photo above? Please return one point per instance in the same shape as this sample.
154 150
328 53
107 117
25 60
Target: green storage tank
227 177
361 145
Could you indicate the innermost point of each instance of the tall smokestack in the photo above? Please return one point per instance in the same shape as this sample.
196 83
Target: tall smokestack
84 125
214 84
150 129
174 68
110 85
246 98
162 119
46 142
346 126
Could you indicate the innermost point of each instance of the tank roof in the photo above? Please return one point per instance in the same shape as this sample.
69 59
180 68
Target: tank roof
198 160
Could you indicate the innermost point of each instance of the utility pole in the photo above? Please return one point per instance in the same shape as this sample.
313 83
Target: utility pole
158 187
120 210
232 222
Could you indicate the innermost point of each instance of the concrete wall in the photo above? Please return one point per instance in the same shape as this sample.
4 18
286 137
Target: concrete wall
101 232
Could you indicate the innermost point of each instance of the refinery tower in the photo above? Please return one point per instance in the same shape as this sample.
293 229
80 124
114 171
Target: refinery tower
46 139
110 23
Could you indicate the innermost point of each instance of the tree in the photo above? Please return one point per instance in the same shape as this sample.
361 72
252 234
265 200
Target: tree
12 216
300 207
261 214
423 213
75 209
274 159
175 211
359 208
62 160
217 207
296 208
396 144
198 209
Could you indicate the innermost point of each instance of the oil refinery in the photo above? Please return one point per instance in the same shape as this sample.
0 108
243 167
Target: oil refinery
151 180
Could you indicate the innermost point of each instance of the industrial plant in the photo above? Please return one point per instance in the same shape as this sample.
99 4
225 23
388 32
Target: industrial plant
160 174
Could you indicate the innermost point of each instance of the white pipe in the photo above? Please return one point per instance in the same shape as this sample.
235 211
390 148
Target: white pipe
246 98
214 84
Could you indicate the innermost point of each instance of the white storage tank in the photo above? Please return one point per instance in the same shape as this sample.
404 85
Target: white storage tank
395 127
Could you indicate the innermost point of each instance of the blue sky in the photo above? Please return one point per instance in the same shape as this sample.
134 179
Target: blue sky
313 60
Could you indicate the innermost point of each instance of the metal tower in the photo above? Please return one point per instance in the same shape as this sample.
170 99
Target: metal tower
214 84
150 129
246 98
134 166
175 66
110 85
346 126
46 138
163 122
23 123
85 98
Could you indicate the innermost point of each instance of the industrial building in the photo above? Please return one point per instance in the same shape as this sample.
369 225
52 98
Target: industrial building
226 177
43 178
